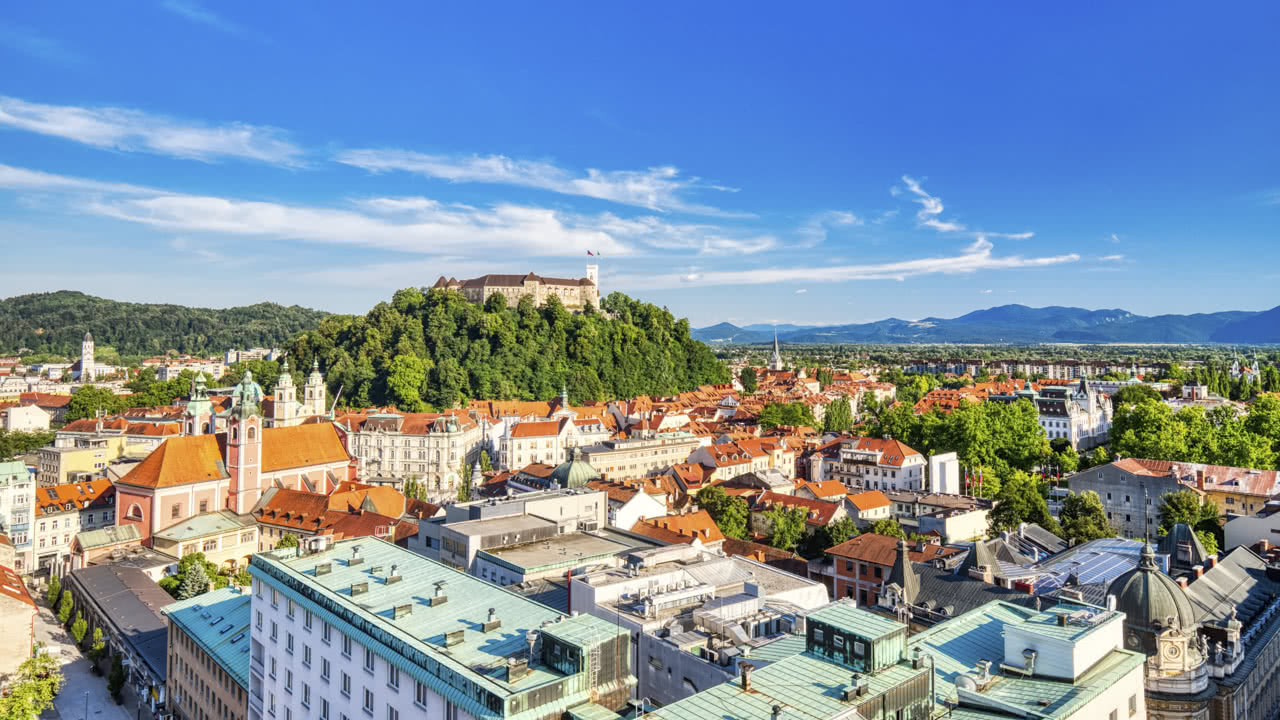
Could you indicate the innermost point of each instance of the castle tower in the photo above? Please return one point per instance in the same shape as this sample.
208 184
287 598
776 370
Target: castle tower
86 358
244 446
313 392
285 408
593 274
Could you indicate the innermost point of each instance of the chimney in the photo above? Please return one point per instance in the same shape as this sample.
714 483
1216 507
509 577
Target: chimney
1213 561
1197 570
493 623
1111 602
777 712
1182 582
439 598
746 676
1200 479
1062 620
393 576
1022 530
355 556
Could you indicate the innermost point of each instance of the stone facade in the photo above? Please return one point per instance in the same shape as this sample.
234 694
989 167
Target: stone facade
574 294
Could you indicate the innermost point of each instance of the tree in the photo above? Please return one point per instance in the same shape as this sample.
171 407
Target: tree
792 414
829 536
1134 394
748 379
1083 518
53 591
97 647
87 401
194 582
464 486
65 607
729 513
31 690
406 377
825 377
1187 507
786 526
18 442
1208 540
115 680
288 541
839 417
485 464
242 577
888 527
79 628
1021 500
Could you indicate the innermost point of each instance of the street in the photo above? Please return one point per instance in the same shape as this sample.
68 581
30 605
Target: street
71 702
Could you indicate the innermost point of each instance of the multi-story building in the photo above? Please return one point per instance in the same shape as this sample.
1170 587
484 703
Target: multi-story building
573 294
729 460
61 512
862 463
955 518
430 447
696 614
860 566
211 367
637 457
285 410
366 512
368 629
17 617
208 665
537 441
17 507
139 438
23 418
232 357
226 539
86 459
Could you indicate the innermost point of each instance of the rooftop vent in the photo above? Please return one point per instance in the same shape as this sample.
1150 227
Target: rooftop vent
517 668
493 623
359 588
393 576
375 569
355 556
401 611
454 638
439 598
323 569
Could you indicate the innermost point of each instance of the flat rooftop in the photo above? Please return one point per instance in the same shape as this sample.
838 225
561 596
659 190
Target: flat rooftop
218 621
569 550
479 656
504 524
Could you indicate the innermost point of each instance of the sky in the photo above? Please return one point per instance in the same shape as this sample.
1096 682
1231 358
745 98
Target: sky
745 162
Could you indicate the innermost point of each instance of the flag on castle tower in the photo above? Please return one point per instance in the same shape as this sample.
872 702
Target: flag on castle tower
591 253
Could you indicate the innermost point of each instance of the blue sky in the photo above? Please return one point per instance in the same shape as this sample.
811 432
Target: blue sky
827 163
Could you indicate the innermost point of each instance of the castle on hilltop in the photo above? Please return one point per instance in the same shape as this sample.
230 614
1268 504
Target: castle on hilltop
573 294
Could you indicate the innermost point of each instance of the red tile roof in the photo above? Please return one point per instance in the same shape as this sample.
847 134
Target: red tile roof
820 511
690 525
53 499
883 550
11 586
544 428
869 500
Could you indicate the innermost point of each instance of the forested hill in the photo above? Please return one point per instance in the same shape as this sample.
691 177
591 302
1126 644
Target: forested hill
56 323
434 349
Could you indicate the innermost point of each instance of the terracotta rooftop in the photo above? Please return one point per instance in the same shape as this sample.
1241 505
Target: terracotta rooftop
869 500
688 526
55 499
883 550
820 511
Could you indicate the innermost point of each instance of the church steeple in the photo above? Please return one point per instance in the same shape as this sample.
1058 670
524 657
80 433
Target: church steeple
285 408
776 363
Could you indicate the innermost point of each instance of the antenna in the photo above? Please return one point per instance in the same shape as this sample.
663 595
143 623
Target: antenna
334 406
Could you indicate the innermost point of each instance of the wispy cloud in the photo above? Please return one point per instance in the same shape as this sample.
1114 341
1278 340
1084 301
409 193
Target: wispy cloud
31 42
137 131
975 257
1008 236
930 208
986 292
658 188
1112 258
884 217
814 231
802 291
195 12
1115 238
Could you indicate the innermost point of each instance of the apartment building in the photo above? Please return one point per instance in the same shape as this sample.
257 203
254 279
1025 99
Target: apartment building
431 447
862 463
208 656
63 511
637 457
17 508
366 629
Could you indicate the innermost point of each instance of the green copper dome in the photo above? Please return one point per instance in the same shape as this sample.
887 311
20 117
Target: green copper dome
574 473
1152 601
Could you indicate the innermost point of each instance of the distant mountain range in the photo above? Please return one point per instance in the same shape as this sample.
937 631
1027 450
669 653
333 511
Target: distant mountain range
1022 324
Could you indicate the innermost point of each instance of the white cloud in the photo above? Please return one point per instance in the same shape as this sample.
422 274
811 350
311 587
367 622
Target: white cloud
196 13
986 292
814 231
657 188
1115 238
704 239
1010 236
930 209
1112 258
802 291
974 258
136 131
885 217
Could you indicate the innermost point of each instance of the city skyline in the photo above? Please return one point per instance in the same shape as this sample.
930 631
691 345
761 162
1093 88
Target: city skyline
811 169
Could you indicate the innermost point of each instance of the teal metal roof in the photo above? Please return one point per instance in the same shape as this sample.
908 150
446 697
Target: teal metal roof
480 656
856 620
198 526
804 686
779 649
1046 623
959 643
110 535
218 621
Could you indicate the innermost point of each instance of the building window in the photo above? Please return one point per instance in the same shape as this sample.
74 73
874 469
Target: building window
174 510
306 695
393 676
325 629
368 701
346 684
306 655
368 660
392 713
204 506
1133 705
420 694
288 681
346 646
275 630
288 642
289 609
306 619
273 668
324 669
324 709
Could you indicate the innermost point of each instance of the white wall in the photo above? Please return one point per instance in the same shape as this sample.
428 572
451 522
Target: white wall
640 507
1247 530
24 418
944 474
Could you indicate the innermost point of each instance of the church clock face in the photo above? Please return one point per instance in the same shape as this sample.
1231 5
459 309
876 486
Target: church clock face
1133 640
1172 651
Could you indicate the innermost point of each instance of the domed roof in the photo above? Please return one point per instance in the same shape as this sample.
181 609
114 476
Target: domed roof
246 397
1150 599
574 473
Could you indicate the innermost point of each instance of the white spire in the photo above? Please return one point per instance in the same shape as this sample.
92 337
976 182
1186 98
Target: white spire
777 356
